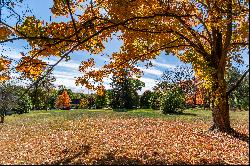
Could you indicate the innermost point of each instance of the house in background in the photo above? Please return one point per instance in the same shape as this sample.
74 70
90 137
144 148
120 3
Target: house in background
75 103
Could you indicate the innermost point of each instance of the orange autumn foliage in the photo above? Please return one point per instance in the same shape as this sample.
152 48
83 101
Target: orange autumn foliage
31 67
4 67
197 94
4 32
196 99
63 101
187 29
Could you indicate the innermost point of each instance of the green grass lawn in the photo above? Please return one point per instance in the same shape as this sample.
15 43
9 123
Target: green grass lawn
140 136
187 115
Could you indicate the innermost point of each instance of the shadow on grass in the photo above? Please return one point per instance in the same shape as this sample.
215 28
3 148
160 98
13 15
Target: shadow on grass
240 136
121 110
84 150
112 159
181 113
232 132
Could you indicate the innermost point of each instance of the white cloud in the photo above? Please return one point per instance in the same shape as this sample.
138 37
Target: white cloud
69 64
68 79
165 65
69 82
15 54
149 84
151 70
149 81
10 52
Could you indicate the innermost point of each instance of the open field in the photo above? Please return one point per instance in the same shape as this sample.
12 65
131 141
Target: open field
120 137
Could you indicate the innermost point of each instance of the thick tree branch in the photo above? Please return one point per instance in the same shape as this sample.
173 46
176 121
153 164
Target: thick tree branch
55 40
193 45
206 28
147 30
199 48
237 83
194 35
229 28
73 20
37 38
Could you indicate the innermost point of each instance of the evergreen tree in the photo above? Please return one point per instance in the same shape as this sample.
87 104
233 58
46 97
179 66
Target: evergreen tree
145 99
124 92
100 101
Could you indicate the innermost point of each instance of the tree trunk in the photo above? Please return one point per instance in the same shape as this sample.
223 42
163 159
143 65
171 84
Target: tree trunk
204 99
209 100
220 105
1 119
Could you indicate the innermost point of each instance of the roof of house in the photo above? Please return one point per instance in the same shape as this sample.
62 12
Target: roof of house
75 101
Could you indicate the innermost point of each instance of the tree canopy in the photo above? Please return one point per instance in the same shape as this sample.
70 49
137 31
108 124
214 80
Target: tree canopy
186 28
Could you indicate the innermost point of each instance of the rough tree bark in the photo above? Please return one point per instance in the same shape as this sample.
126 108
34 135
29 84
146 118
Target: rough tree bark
220 105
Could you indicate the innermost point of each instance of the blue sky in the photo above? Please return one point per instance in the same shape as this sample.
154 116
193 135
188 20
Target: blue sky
66 72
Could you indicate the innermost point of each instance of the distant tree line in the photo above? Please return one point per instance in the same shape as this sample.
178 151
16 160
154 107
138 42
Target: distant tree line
176 90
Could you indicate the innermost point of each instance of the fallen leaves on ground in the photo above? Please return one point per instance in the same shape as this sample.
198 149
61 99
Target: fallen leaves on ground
105 140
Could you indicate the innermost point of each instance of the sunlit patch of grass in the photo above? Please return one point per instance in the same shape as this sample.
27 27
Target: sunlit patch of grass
239 115
187 115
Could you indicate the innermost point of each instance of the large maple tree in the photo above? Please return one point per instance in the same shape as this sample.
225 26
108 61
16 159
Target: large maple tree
209 34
